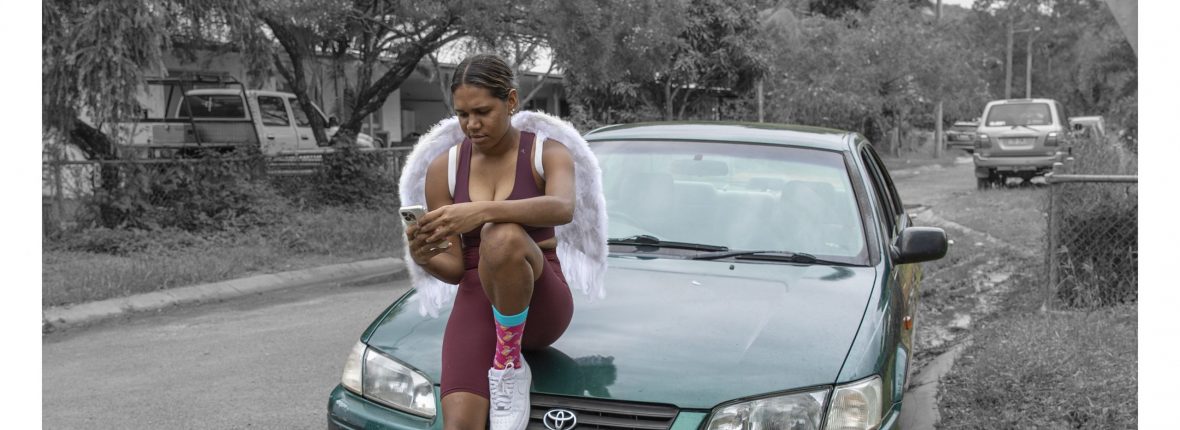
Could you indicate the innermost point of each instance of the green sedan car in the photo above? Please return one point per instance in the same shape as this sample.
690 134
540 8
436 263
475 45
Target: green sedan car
761 277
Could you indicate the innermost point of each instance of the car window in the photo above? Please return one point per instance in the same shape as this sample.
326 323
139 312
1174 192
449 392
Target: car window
881 189
741 196
212 106
272 110
895 205
301 119
1012 114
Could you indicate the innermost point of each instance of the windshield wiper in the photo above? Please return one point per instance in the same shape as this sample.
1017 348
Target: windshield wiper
652 241
1023 125
784 256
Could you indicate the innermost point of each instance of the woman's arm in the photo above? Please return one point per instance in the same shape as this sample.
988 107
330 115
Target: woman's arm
554 208
444 264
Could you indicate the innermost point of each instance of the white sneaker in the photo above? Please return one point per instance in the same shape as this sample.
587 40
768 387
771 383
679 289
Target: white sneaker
510 396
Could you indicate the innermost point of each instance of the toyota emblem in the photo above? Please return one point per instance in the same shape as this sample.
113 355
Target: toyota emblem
560 419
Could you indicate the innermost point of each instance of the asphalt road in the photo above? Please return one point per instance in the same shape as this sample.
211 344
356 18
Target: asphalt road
265 361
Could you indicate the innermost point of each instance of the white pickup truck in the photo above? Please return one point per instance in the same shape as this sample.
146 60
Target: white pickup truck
223 118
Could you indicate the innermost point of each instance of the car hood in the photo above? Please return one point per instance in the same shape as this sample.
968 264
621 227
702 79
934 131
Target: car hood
683 332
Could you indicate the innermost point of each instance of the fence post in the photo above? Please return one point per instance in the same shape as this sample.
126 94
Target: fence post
1051 246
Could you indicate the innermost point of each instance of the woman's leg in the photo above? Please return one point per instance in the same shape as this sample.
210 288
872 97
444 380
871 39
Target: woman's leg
551 308
467 343
509 263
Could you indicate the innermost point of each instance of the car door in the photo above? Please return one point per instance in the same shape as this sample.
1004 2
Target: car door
277 129
307 142
901 278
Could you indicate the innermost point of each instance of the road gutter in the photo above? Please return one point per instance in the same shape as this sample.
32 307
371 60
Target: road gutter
59 317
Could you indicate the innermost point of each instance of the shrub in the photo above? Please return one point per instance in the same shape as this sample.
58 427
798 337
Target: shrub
1097 230
211 192
1098 241
347 177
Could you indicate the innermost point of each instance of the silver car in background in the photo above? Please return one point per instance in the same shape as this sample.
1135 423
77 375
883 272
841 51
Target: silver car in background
1019 138
961 135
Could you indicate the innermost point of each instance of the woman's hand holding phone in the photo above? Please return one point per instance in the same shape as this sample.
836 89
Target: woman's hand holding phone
421 250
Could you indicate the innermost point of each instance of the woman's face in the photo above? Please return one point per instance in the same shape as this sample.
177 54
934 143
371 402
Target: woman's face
484 118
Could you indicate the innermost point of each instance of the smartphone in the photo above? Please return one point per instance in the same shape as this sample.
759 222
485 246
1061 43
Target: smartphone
411 214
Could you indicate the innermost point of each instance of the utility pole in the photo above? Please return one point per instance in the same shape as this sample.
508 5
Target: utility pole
1029 64
1008 63
1028 69
938 110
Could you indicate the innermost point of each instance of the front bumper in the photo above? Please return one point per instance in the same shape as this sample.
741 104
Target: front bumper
348 411
1039 162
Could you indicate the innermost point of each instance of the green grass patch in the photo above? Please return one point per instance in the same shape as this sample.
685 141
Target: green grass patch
1026 369
101 264
1015 215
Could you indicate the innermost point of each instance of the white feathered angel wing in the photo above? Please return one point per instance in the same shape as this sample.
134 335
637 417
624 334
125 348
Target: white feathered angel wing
581 244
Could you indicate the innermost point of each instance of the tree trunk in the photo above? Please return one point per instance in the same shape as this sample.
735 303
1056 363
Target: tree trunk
369 98
296 75
938 131
668 100
442 84
540 84
98 146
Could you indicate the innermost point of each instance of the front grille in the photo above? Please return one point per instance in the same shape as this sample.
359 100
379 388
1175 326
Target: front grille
603 414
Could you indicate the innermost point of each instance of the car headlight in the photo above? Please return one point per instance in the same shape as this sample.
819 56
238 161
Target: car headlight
799 411
383 379
352 368
856 406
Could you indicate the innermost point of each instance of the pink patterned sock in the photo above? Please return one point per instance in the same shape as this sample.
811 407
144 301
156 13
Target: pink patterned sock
508 344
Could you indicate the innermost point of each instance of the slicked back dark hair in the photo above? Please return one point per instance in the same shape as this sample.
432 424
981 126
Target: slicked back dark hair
487 71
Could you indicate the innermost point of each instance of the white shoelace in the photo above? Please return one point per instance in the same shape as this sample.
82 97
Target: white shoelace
502 389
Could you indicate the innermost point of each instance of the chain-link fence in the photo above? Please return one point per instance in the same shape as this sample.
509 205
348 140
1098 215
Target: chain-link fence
208 191
1092 247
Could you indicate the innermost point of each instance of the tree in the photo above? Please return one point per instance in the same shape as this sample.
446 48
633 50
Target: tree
872 72
1080 57
663 57
93 59
384 39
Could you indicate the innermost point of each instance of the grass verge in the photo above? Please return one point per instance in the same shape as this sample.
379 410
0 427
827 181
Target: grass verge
1027 369
162 260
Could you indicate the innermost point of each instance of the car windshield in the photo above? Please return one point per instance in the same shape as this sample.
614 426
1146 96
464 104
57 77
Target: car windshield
739 196
963 127
1016 114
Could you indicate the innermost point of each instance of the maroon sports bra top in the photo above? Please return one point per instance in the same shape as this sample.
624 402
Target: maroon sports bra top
523 186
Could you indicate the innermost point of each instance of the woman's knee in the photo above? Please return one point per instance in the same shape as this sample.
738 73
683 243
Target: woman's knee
503 242
464 411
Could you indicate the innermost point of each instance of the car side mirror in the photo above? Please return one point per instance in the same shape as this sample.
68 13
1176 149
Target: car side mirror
918 244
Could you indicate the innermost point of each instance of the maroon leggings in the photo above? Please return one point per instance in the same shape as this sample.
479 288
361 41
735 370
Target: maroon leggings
469 343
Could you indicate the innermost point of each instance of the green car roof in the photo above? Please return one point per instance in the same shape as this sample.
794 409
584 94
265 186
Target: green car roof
726 131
